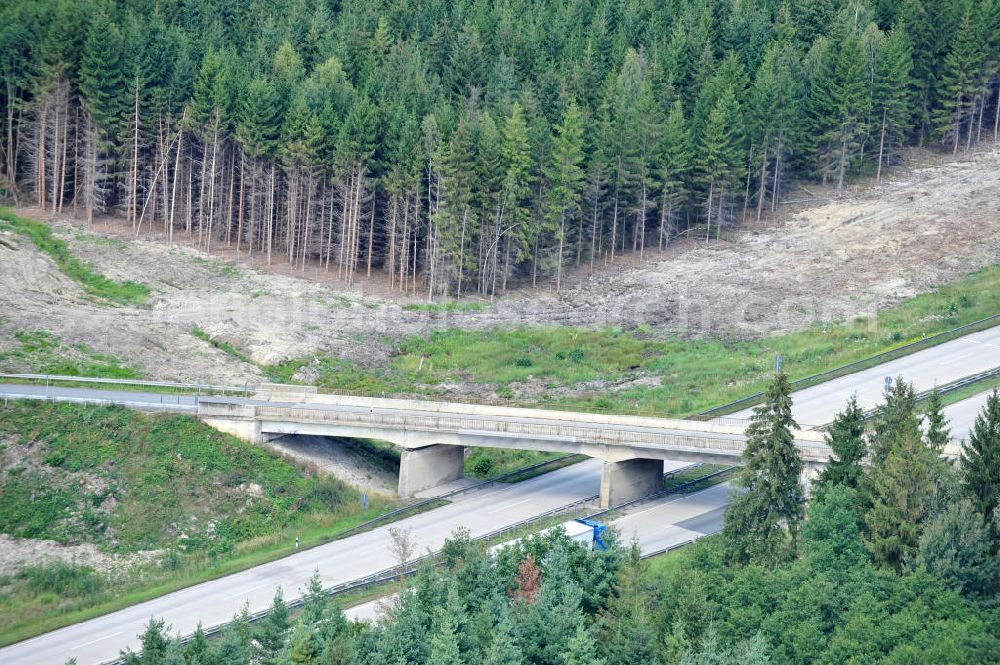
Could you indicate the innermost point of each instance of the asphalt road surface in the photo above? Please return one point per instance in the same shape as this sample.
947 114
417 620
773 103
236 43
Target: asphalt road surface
667 522
482 511
937 365
962 415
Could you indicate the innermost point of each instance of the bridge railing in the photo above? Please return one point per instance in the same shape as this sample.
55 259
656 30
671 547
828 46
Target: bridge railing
647 437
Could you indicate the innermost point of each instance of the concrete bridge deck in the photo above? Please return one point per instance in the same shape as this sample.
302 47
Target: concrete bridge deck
433 435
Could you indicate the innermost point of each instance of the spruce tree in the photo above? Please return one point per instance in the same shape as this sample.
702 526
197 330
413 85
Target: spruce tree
892 92
895 421
581 649
271 632
720 156
957 88
565 178
503 650
676 161
769 497
938 432
900 485
846 436
304 649
980 464
518 178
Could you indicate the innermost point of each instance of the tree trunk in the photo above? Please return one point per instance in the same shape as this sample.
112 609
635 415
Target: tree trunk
371 236
711 197
881 149
173 194
559 257
134 185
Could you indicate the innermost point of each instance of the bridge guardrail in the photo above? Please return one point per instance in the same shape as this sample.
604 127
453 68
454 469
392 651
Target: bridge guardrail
62 378
569 433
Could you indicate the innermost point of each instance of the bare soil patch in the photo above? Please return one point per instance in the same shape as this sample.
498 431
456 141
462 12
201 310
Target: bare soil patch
831 260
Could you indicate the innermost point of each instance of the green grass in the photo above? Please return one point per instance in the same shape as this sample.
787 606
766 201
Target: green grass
965 392
222 345
448 306
662 571
42 352
695 374
93 283
127 481
488 463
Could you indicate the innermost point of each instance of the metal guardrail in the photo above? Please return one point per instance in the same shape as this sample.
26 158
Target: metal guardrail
97 401
864 363
62 378
412 566
922 396
382 576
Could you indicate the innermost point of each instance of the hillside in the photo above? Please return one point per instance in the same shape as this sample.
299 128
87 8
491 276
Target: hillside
824 261
118 501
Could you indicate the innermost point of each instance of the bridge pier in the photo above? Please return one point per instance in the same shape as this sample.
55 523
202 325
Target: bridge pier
631 479
430 466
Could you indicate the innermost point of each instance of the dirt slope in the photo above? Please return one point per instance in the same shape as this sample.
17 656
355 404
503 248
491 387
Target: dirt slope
926 226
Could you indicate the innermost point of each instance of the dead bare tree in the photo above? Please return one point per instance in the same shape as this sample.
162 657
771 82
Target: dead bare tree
402 546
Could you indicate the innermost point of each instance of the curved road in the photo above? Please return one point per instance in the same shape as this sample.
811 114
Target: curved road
937 365
482 510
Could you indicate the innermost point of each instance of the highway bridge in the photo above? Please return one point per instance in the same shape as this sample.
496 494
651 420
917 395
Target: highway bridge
434 435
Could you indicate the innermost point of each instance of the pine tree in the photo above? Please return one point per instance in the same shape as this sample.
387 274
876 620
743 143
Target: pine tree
846 436
771 500
980 464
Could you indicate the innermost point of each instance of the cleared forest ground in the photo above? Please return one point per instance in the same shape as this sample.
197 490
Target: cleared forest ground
927 226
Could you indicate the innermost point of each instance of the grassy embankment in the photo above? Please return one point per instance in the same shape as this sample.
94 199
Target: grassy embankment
129 482
94 284
694 374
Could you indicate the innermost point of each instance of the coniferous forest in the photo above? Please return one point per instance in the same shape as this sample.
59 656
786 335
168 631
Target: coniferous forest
892 560
460 147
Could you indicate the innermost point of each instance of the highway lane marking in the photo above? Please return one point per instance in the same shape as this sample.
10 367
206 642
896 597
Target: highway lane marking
246 591
80 646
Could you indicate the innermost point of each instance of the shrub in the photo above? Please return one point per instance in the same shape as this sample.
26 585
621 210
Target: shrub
482 465
60 577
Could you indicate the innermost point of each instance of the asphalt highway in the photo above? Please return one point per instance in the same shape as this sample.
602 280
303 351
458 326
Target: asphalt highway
937 365
668 522
482 510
